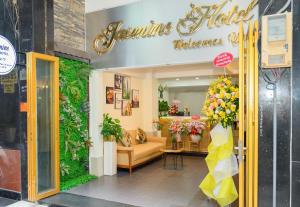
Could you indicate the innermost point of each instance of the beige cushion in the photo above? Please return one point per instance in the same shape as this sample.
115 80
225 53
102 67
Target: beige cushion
141 136
126 139
144 150
133 136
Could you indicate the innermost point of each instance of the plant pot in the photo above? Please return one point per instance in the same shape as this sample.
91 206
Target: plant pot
195 138
110 158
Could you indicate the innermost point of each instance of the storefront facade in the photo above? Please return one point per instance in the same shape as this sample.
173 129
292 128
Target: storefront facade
137 36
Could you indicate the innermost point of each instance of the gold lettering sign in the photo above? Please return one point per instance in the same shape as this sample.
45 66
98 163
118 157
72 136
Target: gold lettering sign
213 16
190 44
233 38
105 41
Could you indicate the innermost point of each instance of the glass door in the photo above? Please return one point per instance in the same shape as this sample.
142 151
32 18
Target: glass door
248 116
43 125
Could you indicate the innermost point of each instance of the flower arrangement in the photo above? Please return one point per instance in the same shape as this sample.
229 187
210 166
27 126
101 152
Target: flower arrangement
177 127
195 127
222 102
173 109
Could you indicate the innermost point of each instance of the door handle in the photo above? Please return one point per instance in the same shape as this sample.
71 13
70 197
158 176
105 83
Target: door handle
241 151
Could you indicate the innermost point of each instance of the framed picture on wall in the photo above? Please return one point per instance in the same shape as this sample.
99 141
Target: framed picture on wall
135 98
126 108
109 95
126 87
118 100
118 82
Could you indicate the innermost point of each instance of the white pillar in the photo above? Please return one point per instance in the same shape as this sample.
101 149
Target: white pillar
150 102
96 110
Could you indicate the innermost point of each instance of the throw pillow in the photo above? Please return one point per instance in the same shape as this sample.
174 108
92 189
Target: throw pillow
141 136
126 139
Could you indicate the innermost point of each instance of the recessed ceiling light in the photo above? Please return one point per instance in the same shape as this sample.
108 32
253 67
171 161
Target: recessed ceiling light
197 78
177 79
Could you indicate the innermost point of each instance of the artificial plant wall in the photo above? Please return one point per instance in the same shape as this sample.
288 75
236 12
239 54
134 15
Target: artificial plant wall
74 136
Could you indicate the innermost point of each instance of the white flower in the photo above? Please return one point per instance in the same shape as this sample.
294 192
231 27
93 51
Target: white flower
228 111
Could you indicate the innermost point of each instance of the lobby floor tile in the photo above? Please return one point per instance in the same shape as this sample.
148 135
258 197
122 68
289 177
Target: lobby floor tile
6 202
72 200
25 204
153 186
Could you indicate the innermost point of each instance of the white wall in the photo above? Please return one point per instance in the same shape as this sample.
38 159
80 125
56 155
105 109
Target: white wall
193 100
141 117
95 5
127 122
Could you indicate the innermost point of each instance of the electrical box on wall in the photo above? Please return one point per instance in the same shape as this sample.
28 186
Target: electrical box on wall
277 41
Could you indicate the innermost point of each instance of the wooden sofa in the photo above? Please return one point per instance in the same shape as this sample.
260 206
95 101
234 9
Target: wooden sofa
137 154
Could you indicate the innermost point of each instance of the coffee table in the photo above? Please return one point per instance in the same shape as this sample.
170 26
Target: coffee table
175 154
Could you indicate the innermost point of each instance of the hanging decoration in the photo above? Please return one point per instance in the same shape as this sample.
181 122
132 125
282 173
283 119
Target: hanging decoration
161 90
221 108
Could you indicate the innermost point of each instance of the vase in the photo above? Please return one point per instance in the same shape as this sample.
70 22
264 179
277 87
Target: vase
195 138
110 158
178 137
174 144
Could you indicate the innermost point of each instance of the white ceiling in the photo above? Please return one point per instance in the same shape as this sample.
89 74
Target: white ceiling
96 5
184 71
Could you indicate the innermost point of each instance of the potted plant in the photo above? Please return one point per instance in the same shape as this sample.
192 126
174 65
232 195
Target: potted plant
195 130
112 133
163 108
176 128
157 125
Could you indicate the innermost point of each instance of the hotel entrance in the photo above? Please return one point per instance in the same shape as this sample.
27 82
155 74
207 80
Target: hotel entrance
150 78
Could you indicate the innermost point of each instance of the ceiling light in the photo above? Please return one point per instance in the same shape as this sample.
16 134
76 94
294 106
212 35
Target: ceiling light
197 78
177 79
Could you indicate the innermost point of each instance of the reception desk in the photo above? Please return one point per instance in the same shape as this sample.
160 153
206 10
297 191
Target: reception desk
202 146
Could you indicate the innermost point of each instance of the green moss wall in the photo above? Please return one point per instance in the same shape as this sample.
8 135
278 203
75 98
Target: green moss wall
74 136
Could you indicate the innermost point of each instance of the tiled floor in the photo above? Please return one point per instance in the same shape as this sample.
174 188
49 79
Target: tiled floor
73 200
25 204
6 202
153 186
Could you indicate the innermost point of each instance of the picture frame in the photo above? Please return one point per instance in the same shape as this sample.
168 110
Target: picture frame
126 108
126 87
109 95
118 100
118 82
135 98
